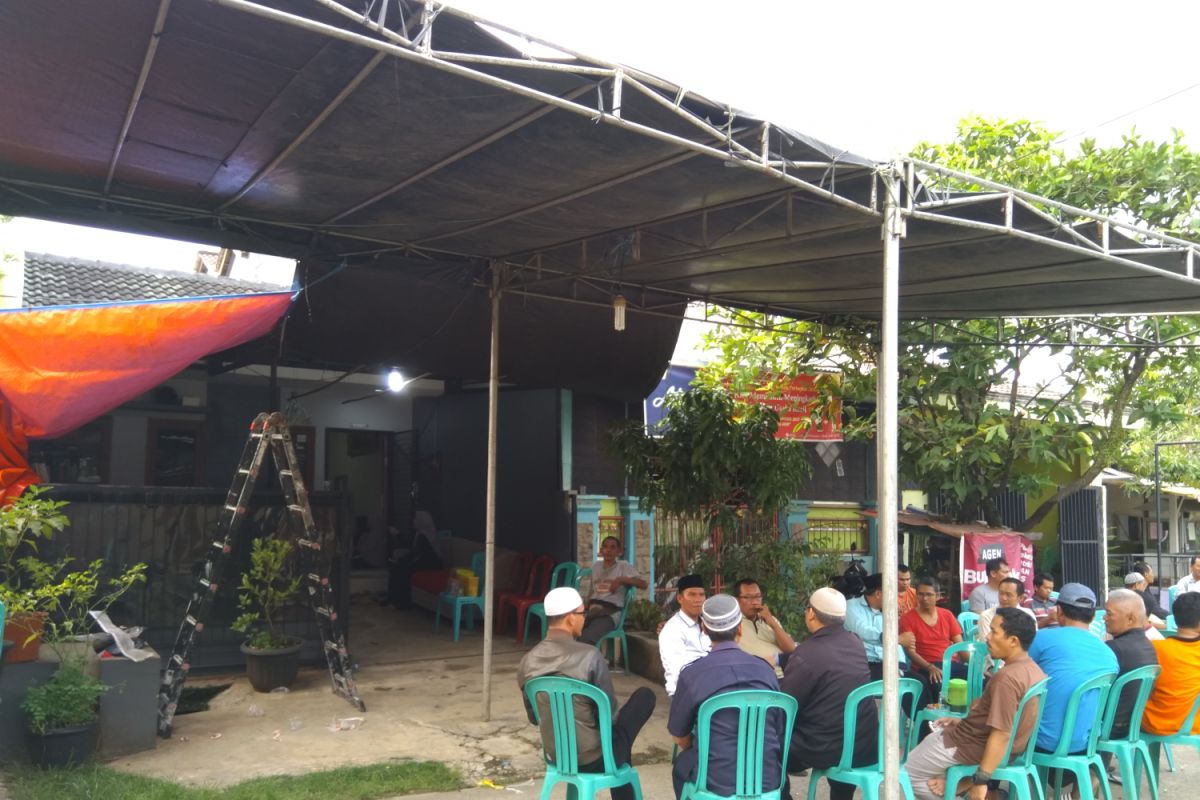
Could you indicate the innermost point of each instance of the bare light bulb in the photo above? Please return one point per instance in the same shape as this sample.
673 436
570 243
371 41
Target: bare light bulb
619 313
395 380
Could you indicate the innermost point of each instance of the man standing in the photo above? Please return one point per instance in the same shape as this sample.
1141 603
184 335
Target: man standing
1125 619
1071 654
934 629
906 596
864 616
1191 581
727 668
560 654
983 735
987 595
821 674
1044 608
1177 686
762 635
611 580
681 640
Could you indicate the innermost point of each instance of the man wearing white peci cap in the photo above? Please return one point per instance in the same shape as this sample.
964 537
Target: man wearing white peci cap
559 654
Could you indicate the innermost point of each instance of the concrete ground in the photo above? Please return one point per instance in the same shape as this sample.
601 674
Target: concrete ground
424 702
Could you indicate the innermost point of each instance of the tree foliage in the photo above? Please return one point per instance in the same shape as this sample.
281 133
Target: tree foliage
713 455
981 412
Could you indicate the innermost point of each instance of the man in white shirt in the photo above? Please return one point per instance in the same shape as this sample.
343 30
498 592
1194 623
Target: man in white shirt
611 580
1191 582
681 640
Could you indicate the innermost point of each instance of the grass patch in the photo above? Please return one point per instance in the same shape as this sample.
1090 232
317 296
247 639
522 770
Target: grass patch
346 783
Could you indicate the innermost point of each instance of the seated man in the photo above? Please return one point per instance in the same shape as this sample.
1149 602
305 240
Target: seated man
1125 619
982 736
1149 597
906 595
1191 581
864 617
610 581
1136 583
934 629
560 654
821 674
1179 683
1071 654
1011 593
727 668
987 595
1044 608
681 640
762 635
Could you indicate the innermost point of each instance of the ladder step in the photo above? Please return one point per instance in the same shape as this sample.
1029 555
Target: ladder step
326 612
317 579
310 543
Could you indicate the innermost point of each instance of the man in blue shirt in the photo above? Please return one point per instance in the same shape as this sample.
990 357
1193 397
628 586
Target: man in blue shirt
864 617
726 668
1070 654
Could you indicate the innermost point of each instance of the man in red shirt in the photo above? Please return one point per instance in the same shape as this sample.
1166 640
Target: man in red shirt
933 629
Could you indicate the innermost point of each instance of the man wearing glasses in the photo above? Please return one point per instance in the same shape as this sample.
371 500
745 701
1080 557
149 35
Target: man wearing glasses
762 635
559 654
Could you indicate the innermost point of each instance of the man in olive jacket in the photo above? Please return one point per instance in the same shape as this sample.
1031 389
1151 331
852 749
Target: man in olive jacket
559 654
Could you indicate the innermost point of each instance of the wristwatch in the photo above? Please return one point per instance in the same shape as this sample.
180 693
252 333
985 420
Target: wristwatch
980 778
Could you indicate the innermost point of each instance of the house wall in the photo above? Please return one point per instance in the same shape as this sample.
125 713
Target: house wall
531 512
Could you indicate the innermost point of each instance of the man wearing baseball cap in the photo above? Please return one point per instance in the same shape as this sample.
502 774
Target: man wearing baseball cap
821 674
726 668
1070 655
560 654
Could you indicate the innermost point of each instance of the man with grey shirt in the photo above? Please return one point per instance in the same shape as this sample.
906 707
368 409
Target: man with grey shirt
611 580
559 654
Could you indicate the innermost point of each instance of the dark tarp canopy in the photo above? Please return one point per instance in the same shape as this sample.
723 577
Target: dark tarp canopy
416 169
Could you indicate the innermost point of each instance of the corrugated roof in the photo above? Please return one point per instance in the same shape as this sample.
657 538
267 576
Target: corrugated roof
52 280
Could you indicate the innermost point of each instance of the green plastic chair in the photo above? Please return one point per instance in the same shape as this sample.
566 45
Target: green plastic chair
561 694
753 707
618 633
868 779
1018 772
978 658
1080 763
1183 736
563 575
969 622
458 602
1130 750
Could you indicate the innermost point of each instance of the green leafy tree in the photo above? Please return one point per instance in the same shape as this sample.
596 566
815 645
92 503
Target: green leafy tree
973 421
714 455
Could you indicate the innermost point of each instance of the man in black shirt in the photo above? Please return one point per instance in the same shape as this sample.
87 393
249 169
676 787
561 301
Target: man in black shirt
1150 598
821 673
1125 619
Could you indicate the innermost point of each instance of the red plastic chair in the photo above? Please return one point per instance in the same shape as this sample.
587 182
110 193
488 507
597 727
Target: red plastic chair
536 587
518 577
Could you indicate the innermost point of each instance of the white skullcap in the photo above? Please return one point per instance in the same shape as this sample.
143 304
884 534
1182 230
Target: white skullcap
829 601
562 600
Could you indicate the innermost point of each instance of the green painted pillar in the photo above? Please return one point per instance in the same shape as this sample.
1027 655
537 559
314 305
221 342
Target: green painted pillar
794 518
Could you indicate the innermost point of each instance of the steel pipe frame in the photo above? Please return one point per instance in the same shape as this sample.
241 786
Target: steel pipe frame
160 22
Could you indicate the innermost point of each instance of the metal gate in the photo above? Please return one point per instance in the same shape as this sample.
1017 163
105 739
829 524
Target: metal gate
1082 541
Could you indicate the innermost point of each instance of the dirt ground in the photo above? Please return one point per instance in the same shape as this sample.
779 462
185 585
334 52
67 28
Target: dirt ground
424 697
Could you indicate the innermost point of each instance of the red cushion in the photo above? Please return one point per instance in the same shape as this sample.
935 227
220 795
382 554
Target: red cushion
432 580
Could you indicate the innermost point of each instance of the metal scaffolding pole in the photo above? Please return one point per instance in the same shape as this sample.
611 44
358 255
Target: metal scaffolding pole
489 569
886 469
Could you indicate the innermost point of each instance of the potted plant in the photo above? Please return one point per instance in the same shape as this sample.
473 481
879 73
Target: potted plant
63 712
26 522
272 657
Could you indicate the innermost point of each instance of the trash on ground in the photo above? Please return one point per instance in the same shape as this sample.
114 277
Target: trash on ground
346 724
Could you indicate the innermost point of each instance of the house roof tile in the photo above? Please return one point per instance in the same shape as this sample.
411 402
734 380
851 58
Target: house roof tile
52 280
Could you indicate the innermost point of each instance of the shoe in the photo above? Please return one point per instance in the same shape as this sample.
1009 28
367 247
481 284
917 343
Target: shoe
1114 775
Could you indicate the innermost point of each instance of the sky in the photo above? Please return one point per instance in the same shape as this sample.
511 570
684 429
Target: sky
874 78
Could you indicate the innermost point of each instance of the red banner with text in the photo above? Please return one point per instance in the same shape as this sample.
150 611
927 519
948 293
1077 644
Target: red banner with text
979 548
797 402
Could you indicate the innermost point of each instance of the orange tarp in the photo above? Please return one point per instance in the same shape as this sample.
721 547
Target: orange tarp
62 367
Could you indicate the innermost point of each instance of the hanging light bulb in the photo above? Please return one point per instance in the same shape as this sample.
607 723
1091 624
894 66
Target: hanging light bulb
619 313
395 380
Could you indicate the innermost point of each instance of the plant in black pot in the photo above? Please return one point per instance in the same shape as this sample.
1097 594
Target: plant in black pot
272 657
63 712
